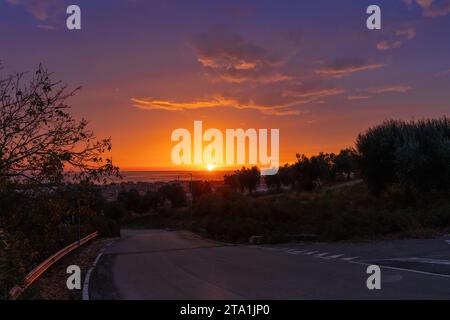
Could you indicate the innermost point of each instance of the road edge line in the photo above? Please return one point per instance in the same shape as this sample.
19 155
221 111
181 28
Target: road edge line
403 269
85 295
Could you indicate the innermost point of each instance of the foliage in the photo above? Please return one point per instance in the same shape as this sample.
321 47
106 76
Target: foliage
39 138
199 189
346 162
244 179
174 192
43 207
413 154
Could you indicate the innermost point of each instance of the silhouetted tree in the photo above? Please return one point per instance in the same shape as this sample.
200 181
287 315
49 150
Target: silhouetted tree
174 192
413 154
231 181
346 162
199 189
152 199
273 181
39 138
249 178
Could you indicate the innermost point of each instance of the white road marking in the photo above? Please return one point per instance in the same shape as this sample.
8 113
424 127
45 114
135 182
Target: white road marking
334 257
302 251
403 269
85 292
421 260
312 252
320 255
349 259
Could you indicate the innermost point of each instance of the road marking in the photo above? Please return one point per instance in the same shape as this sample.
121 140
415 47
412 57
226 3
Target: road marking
321 254
421 260
448 241
349 259
268 248
302 251
334 257
88 274
312 252
403 269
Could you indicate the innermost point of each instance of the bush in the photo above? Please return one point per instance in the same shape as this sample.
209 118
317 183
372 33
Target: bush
412 154
115 211
174 192
199 189
246 178
106 227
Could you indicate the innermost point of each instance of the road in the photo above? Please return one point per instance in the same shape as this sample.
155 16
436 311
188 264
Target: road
160 264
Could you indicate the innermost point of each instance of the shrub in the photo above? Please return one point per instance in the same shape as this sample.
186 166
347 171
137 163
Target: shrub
115 211
413 154
199 189
174 192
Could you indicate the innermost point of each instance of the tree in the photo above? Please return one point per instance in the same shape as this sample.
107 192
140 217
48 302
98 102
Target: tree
39 143
231 180
346 162
414 155
115 210
273 181
200 188
39 138
131 200
249 178
174 192
152 199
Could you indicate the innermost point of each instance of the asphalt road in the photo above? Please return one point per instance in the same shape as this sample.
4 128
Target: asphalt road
159 264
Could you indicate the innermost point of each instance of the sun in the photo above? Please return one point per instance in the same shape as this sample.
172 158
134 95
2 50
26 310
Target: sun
211 167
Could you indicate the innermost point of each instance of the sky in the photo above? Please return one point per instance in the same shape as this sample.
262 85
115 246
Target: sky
311 69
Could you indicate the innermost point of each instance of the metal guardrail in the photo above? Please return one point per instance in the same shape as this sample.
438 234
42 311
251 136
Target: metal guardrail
32 276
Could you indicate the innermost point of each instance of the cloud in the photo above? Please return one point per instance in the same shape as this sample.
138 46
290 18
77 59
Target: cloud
364 94
358 97
275 102
386 89
46 12
46 26
386 45
40 9
409 33
398 39
432 8
218 101
313 95
345 67
226 56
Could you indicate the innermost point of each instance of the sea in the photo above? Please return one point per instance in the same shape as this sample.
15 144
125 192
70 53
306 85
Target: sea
166 176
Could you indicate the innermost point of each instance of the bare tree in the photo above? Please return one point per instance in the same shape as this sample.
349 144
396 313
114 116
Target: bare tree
39 140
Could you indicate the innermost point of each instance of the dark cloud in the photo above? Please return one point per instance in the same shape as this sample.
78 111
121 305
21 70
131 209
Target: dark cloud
41 10
432 8
228 57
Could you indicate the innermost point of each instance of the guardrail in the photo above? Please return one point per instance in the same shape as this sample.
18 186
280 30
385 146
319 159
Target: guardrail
32 276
